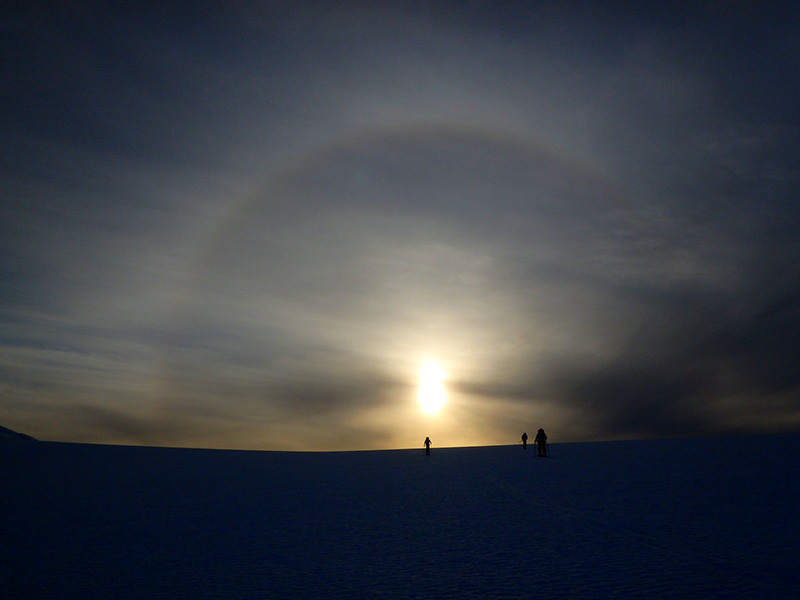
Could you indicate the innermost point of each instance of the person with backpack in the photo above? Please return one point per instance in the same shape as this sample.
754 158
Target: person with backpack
541 441
524 440
427 446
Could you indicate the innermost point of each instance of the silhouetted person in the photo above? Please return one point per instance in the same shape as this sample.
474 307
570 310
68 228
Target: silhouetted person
524 441
541 441
427 446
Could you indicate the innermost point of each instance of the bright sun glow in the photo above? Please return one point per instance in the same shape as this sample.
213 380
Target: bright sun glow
431 393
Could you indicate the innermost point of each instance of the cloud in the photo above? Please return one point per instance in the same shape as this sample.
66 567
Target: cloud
698 371
251 229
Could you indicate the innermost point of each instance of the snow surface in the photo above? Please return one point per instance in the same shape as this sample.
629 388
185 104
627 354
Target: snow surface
698 518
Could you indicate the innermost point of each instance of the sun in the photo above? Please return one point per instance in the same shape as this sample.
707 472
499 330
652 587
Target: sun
431 393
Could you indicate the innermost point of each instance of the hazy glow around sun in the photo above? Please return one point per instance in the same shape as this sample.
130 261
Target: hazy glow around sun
431 393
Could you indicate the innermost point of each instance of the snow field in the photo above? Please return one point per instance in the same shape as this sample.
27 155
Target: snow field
698 518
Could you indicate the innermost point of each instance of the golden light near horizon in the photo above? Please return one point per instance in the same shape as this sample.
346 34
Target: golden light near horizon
431 393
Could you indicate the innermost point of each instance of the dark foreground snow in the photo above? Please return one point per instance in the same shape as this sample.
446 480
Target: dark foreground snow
700 518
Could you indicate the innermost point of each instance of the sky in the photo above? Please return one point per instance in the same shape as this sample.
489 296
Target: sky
252 224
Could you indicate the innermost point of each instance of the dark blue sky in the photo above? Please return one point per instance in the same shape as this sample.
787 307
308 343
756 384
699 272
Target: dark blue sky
249 225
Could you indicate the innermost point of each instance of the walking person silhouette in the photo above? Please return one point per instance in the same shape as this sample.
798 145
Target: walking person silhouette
427 446
541 441
524 440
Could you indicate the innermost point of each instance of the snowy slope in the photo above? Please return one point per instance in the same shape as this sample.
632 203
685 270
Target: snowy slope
700 518
7 435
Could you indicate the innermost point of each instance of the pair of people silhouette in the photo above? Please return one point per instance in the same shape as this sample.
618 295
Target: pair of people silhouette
540 440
